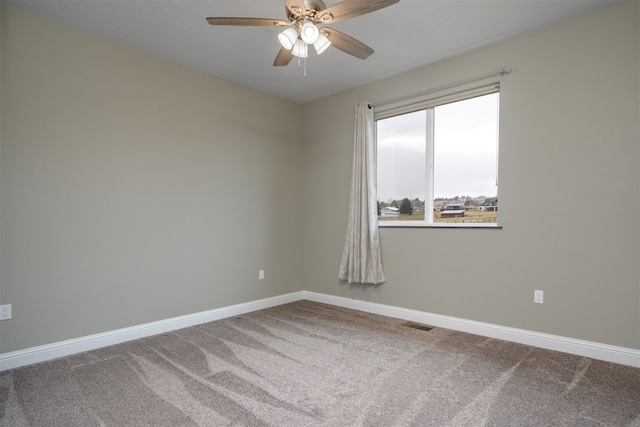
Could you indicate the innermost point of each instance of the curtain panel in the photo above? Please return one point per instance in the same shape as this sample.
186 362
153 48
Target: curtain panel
361 257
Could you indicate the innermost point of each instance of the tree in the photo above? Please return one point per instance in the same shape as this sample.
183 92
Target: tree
405 207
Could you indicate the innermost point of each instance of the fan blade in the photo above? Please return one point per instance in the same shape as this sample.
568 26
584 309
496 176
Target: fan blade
351 8
346 43
296 7
283 58
248 22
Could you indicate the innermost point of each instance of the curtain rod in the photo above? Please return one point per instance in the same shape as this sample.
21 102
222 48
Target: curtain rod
501 72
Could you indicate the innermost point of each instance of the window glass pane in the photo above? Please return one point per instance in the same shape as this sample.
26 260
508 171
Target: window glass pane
401 151
465 161
441 158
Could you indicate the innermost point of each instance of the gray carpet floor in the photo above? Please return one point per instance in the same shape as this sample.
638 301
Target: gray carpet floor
311 364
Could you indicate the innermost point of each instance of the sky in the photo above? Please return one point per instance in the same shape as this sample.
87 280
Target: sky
465 151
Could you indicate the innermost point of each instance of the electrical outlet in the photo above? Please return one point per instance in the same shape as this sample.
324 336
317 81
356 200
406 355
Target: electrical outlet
261 274
5 312
538 297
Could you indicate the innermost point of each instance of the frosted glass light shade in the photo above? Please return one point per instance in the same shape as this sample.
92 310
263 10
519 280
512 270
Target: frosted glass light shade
321 44
288 37
309 33
300 49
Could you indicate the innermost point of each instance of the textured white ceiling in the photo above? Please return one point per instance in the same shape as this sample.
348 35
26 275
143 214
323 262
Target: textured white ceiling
404 36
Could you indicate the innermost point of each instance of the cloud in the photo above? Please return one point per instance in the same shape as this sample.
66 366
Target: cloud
465 151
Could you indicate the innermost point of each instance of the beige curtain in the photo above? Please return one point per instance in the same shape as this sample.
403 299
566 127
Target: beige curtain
361 258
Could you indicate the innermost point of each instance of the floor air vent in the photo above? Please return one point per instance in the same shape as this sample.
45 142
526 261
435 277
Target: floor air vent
417 326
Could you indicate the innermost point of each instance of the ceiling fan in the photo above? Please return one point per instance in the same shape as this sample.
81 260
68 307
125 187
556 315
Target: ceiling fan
304 18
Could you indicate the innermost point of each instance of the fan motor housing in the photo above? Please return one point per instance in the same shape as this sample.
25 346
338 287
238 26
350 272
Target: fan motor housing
312 6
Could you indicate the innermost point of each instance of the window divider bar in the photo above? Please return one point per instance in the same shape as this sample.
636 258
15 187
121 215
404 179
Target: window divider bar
430 139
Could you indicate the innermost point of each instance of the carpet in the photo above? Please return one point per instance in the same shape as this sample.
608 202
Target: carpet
312 364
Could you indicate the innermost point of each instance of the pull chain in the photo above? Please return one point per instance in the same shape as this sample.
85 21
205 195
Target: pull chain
302 63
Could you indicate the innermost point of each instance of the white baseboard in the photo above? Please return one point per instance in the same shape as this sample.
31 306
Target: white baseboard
77 345
609 353
622 355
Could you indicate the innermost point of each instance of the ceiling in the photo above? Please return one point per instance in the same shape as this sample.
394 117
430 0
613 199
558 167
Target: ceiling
405 36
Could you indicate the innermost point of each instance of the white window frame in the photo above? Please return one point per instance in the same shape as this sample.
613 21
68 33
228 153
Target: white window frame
428 102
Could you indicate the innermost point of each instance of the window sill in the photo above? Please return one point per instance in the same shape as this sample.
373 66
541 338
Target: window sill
420 224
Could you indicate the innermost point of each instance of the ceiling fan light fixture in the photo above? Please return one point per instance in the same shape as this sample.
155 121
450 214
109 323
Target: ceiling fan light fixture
288 38
304 25
321 44
309 33
300 49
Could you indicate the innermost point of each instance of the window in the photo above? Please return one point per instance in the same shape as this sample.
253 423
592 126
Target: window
437 161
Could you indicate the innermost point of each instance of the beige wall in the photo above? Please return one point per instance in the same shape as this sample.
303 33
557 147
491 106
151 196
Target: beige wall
569 190
134 189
